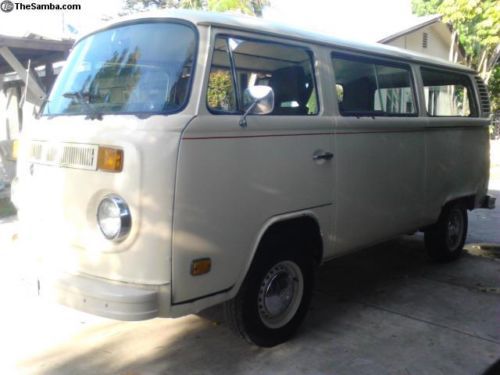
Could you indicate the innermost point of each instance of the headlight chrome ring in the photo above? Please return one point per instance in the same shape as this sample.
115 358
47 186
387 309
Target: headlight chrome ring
114 218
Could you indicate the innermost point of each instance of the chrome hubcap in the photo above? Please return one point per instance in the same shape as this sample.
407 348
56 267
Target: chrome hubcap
280 294
455 228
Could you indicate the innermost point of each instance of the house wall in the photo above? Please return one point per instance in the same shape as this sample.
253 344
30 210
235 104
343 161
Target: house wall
438 42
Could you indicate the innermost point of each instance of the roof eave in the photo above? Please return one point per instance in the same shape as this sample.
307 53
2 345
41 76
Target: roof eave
429 22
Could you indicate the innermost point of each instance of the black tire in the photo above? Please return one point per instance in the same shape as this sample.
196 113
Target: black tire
445 240
249 315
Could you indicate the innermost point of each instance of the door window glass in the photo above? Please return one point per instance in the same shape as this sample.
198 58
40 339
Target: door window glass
286 69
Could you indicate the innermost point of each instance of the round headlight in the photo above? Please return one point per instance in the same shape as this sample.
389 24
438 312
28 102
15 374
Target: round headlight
113 217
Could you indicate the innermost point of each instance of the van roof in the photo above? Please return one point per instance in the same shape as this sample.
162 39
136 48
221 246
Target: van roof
263 26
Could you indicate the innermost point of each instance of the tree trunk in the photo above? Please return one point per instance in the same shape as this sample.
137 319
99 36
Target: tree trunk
451 54
257 7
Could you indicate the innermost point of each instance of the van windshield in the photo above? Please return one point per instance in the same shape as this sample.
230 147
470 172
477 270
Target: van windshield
136 68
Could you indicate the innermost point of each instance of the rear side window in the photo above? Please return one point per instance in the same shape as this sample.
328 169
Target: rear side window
372 88
240 63
447 93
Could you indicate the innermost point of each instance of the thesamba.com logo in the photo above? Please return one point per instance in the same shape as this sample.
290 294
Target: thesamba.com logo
7 6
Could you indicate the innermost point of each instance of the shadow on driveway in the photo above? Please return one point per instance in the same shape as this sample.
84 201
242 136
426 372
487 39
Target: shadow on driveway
386 309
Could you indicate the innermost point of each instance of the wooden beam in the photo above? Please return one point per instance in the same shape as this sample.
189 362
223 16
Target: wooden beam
33 86
47 59
36 44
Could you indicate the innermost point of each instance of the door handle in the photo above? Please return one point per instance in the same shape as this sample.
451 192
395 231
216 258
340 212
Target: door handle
322 155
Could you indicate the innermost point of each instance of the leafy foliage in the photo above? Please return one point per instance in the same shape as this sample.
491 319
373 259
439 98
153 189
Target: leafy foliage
220 90
424 7
250 7
494 88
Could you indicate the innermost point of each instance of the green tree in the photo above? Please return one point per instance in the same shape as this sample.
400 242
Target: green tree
424 7
477 24
250 7
494 89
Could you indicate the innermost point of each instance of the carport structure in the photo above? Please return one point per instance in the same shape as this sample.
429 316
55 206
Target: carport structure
17 53
27 74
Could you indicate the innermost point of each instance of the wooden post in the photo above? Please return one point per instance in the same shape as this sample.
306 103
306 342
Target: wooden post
49 76
18 67
3 109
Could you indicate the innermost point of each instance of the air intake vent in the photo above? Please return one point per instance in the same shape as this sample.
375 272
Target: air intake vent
484 101
70 155
425 40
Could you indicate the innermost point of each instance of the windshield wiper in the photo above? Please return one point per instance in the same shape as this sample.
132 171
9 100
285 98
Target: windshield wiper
83 98
45 102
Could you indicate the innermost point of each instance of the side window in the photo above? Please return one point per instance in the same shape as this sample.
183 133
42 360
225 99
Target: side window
447 93
287 70
370 88
221 95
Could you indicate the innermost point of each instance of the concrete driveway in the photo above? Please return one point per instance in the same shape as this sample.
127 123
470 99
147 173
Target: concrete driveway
385 310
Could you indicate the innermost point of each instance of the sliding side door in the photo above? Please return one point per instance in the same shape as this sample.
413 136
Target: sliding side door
380 151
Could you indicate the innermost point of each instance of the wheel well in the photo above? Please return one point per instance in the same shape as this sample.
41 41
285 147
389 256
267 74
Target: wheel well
468 201
302 231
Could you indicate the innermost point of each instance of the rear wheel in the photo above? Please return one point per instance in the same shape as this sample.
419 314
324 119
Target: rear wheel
274 297
444 241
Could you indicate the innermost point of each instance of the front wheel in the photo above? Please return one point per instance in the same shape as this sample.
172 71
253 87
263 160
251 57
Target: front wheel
274 298
444 241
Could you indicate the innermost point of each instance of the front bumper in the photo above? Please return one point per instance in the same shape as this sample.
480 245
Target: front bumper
101 297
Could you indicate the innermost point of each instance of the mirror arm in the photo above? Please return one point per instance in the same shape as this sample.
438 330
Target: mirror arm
243 119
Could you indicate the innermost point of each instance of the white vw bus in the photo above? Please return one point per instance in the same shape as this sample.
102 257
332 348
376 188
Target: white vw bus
186 159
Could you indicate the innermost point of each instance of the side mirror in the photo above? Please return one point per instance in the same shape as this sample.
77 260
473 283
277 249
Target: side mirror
257 100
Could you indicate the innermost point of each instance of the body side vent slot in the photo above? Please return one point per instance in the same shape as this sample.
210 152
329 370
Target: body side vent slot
484 101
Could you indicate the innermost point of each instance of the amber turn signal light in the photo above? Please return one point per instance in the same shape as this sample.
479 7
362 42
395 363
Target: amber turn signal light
110 159
201 266
15 149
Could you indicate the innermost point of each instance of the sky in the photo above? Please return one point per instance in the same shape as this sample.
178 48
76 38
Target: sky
353 19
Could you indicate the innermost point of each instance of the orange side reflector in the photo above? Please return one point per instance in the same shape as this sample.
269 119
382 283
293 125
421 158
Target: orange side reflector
201 266
110 159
